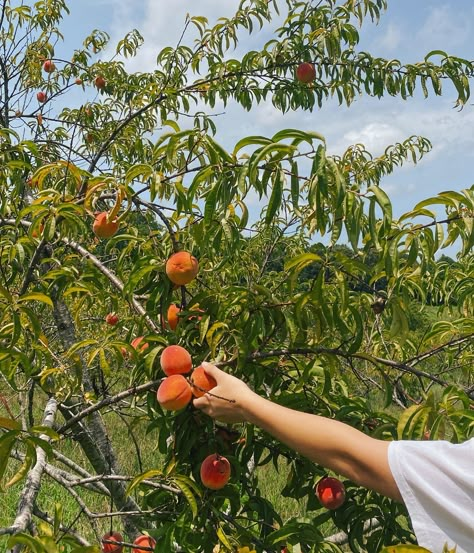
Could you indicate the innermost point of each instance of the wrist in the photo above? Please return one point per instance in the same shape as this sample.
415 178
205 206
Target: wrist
250 405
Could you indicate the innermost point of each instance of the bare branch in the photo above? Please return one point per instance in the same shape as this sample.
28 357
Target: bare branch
32 485
114 280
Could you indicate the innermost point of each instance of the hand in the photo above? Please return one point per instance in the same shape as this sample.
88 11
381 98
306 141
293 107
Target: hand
233 394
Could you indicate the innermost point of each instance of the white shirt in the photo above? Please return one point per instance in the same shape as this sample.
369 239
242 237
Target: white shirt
436 482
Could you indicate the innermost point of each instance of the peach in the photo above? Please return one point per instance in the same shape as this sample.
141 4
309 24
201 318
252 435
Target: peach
182 268
215 471
41 97
111 319
49 66
37 233
174 392
172 315
305 72
175 360
102 227
111 547
201 382
141 542
331 492
100 82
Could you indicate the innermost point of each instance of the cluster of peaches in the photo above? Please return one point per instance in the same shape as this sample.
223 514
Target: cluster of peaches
112 542
49 67
305 73
175 392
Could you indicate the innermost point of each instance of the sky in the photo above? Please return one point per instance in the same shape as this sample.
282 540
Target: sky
408 30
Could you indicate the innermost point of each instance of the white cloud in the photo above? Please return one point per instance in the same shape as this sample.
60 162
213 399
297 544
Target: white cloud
444 29
391 39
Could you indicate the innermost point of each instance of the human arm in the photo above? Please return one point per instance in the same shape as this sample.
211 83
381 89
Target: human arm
330 443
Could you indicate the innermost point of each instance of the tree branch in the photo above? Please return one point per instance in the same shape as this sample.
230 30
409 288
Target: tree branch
32 485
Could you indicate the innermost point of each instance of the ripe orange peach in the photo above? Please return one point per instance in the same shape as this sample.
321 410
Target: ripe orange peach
201 382
172 315
175 360
174 392
141 542
215 471
182 268
102 227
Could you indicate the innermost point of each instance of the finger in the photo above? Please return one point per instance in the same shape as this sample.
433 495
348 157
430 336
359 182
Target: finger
212 370
201 402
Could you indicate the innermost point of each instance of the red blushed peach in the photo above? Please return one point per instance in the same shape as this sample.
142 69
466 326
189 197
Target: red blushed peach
141 542
172 316
49 66
112 547
182 268
174 393
102 227
331 492
175 360
201 382
215 471
305 72
111 319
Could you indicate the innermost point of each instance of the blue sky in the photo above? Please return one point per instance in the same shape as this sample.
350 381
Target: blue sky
407 31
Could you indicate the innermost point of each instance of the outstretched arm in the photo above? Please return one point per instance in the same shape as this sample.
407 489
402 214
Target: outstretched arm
332 444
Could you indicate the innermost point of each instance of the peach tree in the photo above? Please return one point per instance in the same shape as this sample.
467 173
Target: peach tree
318 301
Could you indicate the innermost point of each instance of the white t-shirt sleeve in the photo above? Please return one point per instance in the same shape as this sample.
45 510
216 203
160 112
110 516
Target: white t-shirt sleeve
436 481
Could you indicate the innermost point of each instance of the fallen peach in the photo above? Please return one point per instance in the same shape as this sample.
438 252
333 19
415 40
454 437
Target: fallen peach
201 382
215 471
175 360
182 268
174 393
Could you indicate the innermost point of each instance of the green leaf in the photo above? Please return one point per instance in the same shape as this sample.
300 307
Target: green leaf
189 489
223 538
275 197
34 544
384 201
399 327
46 430
144 476
28 461
36 296
7 441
